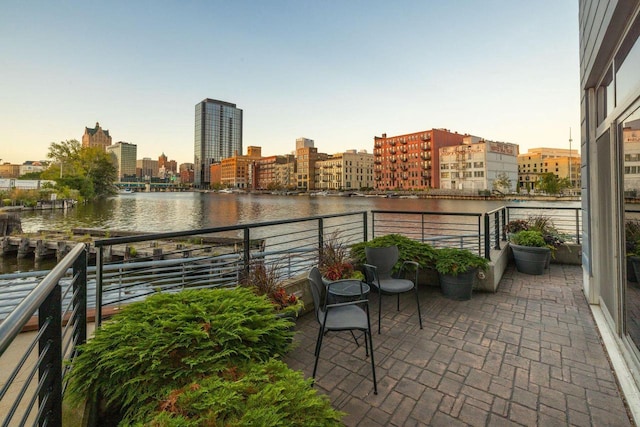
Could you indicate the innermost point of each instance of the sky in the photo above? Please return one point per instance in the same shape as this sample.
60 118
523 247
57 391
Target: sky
338 72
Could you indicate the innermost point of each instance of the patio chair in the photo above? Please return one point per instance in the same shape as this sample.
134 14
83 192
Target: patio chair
344 316
378 273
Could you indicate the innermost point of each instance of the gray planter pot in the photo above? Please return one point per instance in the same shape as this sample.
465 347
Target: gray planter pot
458 287
531 260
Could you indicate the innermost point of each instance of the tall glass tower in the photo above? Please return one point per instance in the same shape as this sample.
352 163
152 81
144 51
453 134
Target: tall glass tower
218 135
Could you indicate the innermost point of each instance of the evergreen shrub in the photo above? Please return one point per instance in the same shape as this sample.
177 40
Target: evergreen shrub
170 340
409 250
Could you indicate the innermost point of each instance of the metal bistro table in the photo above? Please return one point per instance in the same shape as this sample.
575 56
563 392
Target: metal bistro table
348 290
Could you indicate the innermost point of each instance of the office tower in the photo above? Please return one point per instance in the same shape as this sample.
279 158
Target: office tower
124 155
218 135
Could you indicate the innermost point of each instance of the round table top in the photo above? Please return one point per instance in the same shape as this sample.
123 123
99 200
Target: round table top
348 288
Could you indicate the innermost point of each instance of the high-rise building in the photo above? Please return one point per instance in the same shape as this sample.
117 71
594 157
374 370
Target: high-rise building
146 168
96 137
124 157
218 135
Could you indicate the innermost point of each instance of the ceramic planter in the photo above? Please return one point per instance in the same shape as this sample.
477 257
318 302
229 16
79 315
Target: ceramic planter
458 287
531 260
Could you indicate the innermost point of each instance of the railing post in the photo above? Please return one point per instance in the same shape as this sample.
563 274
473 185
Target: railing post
50 350
497 230
80 302
422 228
373 225
365 227
487 237
503 211
578 226
320 238
99 264
246 253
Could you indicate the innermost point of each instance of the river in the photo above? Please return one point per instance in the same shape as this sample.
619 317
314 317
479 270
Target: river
162 212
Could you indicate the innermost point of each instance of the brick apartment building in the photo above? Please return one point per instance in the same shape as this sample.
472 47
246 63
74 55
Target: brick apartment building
411 161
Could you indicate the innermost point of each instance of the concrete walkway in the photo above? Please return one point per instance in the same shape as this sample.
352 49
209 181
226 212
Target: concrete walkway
529 355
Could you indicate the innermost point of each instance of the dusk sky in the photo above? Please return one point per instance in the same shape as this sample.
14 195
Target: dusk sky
337 72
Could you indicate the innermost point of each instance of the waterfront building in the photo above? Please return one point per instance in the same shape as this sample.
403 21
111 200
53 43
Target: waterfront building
350 170
610 111
8 170
239 171
306 157
96 137
561 162
275 172
124 157
146 168
186 173
477 164
218 135
410 161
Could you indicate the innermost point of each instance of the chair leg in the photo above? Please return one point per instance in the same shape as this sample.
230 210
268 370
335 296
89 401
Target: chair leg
418 302
373 365
318 346
379 309
355 339
398 303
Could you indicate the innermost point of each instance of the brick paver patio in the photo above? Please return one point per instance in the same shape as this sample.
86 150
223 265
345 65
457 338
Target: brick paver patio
529 354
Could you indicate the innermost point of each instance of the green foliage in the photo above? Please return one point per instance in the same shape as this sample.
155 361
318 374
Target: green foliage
551 184
267 394
455 261
171 340
88 170
502 183
532 238
409 250
540 223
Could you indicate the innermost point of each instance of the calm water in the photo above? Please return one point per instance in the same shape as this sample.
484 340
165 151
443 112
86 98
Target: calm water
161 212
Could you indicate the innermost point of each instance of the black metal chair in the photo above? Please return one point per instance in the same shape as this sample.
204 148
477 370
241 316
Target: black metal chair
343 316
379 275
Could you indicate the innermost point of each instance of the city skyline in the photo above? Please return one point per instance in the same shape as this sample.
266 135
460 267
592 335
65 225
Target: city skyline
339 74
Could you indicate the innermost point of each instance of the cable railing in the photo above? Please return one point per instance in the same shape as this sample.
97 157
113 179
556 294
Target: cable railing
130 268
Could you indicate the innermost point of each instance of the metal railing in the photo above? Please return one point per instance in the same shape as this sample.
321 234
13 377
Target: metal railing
567 220
32 391
130 268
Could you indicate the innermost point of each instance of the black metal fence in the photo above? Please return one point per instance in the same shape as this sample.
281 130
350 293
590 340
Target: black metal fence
34 386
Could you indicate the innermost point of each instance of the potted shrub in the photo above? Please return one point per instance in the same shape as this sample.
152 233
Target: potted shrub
335 262
457 270
409 250
533 242
530 251
264 280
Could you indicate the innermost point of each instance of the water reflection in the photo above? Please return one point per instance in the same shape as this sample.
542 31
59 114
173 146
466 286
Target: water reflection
160 212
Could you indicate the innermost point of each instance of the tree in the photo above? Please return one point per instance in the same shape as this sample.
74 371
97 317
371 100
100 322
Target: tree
551 184
89 170
502 183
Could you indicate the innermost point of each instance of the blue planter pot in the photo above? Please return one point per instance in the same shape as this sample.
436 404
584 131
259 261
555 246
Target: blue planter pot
531 260
459 287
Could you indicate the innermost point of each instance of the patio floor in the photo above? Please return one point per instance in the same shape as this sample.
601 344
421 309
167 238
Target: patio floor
529 354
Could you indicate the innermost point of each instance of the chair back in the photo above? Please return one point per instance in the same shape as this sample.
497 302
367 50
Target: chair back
383 258
318 291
